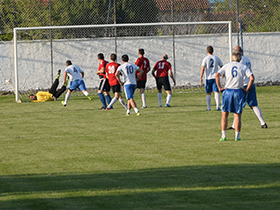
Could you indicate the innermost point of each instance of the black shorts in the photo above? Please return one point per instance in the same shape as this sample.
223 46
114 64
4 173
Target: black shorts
163 81
104 85
116 88
141 84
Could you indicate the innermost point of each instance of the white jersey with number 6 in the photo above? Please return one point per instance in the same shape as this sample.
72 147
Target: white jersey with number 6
74 72
211 63
235 73
128 70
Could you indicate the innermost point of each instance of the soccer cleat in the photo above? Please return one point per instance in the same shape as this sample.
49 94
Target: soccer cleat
223 139
127 114
160 106
58 74
239 139
167 105
208 110
138 114
144 107
230 128
102 108
218 109
62 102
264 125
108 108
90 98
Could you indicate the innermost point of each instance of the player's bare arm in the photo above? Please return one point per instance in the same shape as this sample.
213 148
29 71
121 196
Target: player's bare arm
140 73
82 74
101 71
201 74
64 77
153 73
148 69
171 75
217 78
117 74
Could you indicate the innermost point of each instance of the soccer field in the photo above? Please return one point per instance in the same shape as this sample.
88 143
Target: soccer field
78 157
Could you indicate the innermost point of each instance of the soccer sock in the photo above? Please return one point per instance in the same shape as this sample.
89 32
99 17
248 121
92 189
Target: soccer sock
58 74
232 123
237 135
102 99
128 111
112 102
108 99
217 99
159 96
168 98
224 134
86 93
136 110
259 114
67 96
143 96
208 101
123 103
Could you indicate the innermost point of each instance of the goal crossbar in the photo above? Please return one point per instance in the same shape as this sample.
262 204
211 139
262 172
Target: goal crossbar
229 23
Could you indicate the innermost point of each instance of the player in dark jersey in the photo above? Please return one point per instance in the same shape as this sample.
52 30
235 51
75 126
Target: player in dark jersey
144 64
162 68
104 84
110 71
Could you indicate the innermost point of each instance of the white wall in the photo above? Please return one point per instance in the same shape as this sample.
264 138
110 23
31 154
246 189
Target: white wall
34 56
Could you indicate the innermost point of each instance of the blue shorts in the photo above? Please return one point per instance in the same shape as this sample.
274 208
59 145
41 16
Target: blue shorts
211 86
129 91
251 97
232 100
77 84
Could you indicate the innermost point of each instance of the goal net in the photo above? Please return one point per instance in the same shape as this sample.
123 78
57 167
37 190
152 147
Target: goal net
39 52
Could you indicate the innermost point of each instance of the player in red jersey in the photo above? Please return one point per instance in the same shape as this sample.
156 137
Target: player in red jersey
104 84
111 69
162 68
144 64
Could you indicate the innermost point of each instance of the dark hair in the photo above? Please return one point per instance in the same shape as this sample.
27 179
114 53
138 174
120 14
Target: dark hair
68 63
141 51
100 56
165 56
113 57
125 58
210 49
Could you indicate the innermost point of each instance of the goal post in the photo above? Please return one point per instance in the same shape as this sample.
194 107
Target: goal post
124 34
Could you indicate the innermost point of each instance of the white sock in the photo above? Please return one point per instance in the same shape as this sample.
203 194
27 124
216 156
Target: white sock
224 134
217 99
86 93
233 123
208 101
123 103
159 96
237 135
168 98
128 111
136 110
259 114
112 102
143 96
67 96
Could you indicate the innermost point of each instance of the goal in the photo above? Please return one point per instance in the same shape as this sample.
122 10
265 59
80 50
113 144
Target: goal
40 51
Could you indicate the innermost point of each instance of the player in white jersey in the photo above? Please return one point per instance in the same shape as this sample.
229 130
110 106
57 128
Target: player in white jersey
233 92
210 65
251 96
128 70
76 76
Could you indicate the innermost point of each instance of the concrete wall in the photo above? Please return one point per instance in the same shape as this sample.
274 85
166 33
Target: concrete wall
35 69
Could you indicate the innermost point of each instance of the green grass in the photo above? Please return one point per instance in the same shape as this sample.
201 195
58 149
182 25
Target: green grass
79 157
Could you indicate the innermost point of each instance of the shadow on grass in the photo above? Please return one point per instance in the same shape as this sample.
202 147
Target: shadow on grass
192 187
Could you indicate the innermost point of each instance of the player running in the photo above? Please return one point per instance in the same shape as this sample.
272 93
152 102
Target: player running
128 70
111 69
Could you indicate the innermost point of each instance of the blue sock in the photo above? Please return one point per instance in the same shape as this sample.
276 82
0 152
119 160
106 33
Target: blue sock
108 98
102 99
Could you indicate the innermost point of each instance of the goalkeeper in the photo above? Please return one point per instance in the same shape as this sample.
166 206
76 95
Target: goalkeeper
52 94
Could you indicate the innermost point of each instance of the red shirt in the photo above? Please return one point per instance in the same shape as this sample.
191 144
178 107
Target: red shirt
111 69
162 67
143 63
102 64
